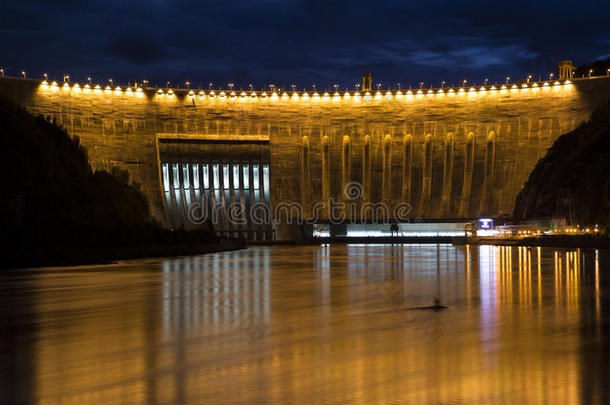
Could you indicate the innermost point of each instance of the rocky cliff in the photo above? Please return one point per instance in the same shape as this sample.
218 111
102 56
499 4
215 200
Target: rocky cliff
573 178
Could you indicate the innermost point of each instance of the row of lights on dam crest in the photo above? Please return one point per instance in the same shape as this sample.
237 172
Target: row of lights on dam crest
276 93
295 95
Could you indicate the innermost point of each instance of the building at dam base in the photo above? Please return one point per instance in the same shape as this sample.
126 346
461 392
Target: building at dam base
256 161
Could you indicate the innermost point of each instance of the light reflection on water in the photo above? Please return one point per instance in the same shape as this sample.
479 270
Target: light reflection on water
312 324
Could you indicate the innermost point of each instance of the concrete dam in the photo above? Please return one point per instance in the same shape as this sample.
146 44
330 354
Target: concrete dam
256 161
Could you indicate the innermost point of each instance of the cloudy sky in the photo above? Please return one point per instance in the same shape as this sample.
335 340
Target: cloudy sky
302 42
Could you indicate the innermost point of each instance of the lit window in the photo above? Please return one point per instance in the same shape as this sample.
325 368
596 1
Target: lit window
176 175
196 176
185 176
165 177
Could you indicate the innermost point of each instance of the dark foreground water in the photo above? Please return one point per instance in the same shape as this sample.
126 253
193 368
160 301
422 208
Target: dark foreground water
313 325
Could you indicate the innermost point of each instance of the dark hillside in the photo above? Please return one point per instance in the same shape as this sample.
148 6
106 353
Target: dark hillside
574 176
55 209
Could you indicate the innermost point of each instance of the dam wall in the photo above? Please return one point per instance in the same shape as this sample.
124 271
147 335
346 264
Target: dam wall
449 153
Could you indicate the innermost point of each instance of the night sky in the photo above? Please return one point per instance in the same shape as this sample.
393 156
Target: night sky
301 42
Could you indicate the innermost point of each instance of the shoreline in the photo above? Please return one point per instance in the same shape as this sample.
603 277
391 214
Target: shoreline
569 242
109 255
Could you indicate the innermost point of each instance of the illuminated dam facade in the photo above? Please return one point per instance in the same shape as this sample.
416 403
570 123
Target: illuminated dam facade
449 153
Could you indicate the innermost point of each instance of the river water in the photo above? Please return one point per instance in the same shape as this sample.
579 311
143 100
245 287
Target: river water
313 325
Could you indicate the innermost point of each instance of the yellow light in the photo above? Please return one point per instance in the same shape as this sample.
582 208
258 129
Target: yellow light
243 94
97 89
514 86
253 95
440 92
556 83
118 90
567 82
160 93
232 95
409 92
347 95
44 85
524 85
357 94
545 84
285 96
108 90
430 92
315 95
503 87
482 89
326 96
87 88
212 94
377 95
223 94
274 96
76 88
461 90
399 94
191 93
129 92
451 92
295 95
472 89
139 92
492 88
66 86
264 95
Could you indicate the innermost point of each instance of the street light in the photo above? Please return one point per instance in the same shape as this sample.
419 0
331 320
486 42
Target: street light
590 71
2 72
507 79
378 86
167 85
188 84
529 78
23 73
210 86
486 80
89 80
608 72
46 77
464 82
550 76
421 85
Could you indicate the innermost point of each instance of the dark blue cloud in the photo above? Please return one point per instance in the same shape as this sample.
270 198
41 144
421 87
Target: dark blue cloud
298 41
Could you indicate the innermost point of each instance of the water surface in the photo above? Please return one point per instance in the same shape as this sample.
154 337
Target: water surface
313 324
